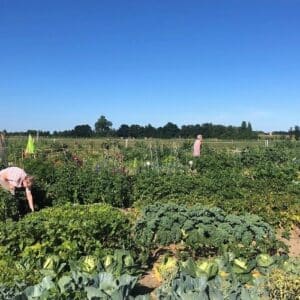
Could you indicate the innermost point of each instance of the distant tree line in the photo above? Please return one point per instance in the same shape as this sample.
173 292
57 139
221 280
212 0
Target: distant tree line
295 132
33 132
103 128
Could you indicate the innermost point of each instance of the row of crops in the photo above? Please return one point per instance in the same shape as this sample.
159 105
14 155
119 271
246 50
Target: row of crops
111 218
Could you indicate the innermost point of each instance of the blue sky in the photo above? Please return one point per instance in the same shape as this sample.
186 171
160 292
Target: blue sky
65 63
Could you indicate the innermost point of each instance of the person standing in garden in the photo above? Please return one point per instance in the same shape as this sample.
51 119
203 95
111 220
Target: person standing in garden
197 146
14 177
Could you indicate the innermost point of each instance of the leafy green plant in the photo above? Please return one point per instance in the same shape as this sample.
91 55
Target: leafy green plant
87 185
284 285
79 286
204 230
68 232
8 206
225 277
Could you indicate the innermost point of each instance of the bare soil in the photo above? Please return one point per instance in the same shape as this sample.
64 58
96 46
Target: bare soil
149 282
147 285
294 242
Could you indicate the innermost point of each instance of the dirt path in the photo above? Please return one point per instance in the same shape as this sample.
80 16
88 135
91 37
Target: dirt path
147 284
294 242
150 281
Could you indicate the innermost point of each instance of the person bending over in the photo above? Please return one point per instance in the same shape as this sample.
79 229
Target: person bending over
14 177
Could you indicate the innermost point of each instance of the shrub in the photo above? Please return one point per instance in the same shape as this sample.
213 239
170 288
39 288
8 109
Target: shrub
284 284
150 187
64 182
89 185
12 207
67 231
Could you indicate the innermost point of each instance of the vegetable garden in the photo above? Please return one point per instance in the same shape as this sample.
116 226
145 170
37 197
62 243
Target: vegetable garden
149 221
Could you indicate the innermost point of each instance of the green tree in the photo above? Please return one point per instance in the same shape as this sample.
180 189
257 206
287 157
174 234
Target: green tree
243 131
249 127
136 131
244 126
290 132
83 130
123 131
207 130
250 132
103 126
297 132
170 130
149 131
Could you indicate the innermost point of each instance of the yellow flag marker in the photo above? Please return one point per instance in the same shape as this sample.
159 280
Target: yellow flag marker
30 148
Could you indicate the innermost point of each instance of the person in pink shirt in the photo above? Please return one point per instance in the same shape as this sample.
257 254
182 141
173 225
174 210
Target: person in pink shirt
197 146
14 177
